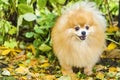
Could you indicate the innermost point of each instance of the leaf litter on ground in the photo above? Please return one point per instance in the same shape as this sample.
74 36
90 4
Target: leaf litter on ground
22 65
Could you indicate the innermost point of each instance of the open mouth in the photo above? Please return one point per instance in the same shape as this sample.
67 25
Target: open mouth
82 37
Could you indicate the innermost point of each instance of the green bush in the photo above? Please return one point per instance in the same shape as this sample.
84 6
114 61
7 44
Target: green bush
30 21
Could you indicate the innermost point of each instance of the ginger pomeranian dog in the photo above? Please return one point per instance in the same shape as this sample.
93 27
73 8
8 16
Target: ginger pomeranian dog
78 37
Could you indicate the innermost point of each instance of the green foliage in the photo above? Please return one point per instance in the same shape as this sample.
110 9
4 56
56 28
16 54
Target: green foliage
6 30
29 17
30 21
25 29
41 3
23 8
12 43
7 78
44 47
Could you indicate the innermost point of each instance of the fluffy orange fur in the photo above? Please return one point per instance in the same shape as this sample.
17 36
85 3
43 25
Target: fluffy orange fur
72 51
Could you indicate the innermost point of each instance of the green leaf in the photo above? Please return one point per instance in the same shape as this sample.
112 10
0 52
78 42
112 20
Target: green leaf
61 1
20 20
29 55
29 17
37 42
7 26
41 3
45 47
5 1
29 34
1 39
11 44
53 2
23 8
66 77
7 78
12 31
38 30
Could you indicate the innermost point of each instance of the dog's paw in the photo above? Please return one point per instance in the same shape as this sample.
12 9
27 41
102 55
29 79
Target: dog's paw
88 71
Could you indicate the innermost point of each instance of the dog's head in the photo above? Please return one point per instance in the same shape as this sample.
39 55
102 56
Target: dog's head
80 24
82 20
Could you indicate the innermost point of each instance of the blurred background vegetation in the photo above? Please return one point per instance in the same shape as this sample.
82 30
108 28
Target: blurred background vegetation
25 22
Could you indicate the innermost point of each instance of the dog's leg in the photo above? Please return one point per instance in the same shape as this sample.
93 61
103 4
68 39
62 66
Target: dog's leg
66 69
88 70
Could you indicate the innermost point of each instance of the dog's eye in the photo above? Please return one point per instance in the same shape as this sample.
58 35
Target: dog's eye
77 28
87 27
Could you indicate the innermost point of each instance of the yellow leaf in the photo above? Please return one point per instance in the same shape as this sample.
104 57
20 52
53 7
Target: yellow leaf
21 65
5 52
89 78
32 48
35 74
3 48
14 53
111 46
45 65
112 69
99 67
118 69
100 75
112 29
22 70
18 50
23 78
51 77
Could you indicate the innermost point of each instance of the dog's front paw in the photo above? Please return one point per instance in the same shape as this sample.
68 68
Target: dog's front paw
88 71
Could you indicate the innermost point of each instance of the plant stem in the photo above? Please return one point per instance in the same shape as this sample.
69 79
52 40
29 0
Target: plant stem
112 41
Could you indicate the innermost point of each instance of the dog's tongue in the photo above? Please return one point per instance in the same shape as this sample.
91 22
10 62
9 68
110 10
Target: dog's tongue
82 37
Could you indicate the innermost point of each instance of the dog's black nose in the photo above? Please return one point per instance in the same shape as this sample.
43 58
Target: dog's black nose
83 33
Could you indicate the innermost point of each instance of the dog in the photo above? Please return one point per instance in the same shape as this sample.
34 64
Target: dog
78 37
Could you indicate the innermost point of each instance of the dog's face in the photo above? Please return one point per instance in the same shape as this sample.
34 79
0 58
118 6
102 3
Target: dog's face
81 25
82 32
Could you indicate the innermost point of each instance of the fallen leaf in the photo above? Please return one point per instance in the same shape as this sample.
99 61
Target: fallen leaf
43 59
23 78
111 74
6 72
45 65
118 75
3 48
118 69
112 69
66 77
100 75
99 67
115 53
22 70
5 52
90 78
33 62
18 58
111 46
17 50
35 75
13 53
112 29
31 47
50 77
